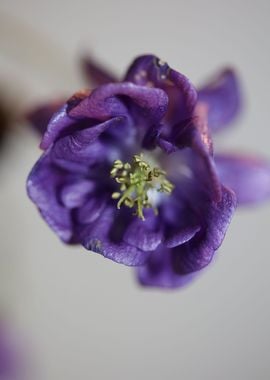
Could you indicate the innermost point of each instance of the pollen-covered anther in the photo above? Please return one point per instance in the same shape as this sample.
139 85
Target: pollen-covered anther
136 179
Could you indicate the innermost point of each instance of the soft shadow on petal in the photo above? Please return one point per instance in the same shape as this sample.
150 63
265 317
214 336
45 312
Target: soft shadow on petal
159 272
90 210
223 97
75 194
95 72
178 213
182 236
198 158
145 235
247 175
42 186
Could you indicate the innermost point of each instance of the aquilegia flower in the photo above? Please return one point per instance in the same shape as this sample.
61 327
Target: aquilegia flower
128 170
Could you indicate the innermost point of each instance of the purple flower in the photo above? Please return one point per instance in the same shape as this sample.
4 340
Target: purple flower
128 170
9 358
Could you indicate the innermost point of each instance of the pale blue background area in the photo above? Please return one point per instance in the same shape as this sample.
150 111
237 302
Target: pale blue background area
84 317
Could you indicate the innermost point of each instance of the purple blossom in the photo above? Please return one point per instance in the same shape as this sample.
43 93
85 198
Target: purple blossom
9 358
128 170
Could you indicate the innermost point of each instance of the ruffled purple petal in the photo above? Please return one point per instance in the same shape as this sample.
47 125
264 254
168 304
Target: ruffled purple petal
61 122
176 267
223 98
248 176
98 237
96 73
150 71
43 184
104 102
39 117
109 101
215 219
84 147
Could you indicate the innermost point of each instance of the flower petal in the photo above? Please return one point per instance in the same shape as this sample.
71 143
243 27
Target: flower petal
194 134
61 121
104 102
223 98
177 267
248 176
42 185
83 146
75 193
96 73
85 109
182 236
198 252
149 70
97 237
90 210
144 234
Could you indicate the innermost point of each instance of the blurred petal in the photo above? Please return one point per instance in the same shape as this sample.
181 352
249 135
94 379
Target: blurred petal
40 116
248 176
4 121
96 73
223 98
42 185
10 357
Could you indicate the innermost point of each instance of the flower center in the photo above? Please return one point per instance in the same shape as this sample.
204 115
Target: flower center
136 180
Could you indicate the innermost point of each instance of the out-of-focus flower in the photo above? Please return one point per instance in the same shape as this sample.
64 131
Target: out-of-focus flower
128 170
3 122
9 361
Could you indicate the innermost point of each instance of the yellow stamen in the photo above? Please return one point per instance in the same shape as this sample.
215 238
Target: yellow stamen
135 180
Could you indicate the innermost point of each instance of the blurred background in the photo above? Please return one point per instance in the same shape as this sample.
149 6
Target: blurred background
73 315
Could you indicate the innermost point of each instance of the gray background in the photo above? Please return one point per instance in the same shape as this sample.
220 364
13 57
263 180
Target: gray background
77 315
